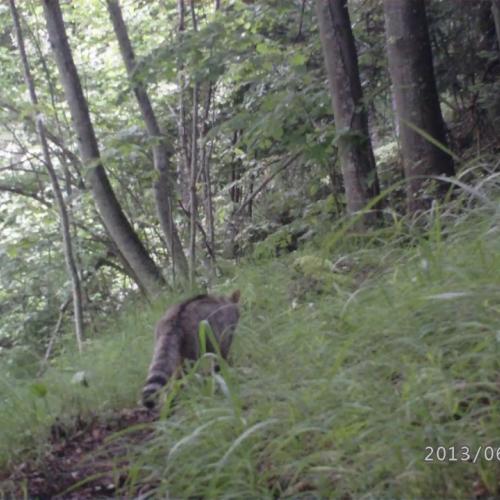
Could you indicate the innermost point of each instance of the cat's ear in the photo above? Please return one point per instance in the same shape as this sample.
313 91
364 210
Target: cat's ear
235 296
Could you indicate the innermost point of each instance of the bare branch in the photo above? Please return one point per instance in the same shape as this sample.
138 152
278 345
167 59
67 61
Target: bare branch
266 181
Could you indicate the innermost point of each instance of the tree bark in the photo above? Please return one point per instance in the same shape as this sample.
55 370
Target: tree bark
193 199
163 186
351 121
417 103
205 166
182 120
193 171
495 9
56 189
112 214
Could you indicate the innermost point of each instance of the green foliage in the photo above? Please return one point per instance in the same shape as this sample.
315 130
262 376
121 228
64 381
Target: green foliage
312 265
267 87
272 245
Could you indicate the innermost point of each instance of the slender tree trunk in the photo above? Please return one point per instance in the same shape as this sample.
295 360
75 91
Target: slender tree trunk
205 166
416 97
114 219
193 173
355 150
495 9
235 191
184 139
250 192
182 121
163 186
56 189
193 199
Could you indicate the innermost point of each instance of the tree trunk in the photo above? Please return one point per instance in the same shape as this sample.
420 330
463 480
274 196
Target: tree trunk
208 182
416 97
193 199
182 121
163 186
56 189
351 121
205 166
114 219
495 9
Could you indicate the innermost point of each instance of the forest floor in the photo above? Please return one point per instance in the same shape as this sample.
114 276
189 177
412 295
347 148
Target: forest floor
86 460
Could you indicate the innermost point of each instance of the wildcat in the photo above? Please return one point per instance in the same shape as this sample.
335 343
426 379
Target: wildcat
177 337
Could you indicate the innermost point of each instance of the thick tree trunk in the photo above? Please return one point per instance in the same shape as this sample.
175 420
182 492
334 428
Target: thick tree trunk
416 97
164 185
355 150
114 219
495 9
56 189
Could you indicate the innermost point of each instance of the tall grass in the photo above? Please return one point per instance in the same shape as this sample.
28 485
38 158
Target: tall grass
104 378
340 395
330 395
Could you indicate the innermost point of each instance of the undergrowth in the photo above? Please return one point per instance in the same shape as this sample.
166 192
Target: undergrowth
105 377
334 392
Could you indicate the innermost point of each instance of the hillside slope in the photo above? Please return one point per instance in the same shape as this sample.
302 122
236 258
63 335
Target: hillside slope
356 358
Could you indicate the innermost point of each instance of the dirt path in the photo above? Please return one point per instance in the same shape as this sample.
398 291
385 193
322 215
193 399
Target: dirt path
87 462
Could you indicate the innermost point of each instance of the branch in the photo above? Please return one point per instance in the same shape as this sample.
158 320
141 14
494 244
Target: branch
55 333
22 192
200 227
50 136
101 262
266 181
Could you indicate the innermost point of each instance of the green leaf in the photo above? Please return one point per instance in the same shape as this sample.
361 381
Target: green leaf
277 133
203 330
298 59
12 252
39 390
262 48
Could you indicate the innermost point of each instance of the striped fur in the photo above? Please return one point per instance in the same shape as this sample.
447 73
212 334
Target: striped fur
177 337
